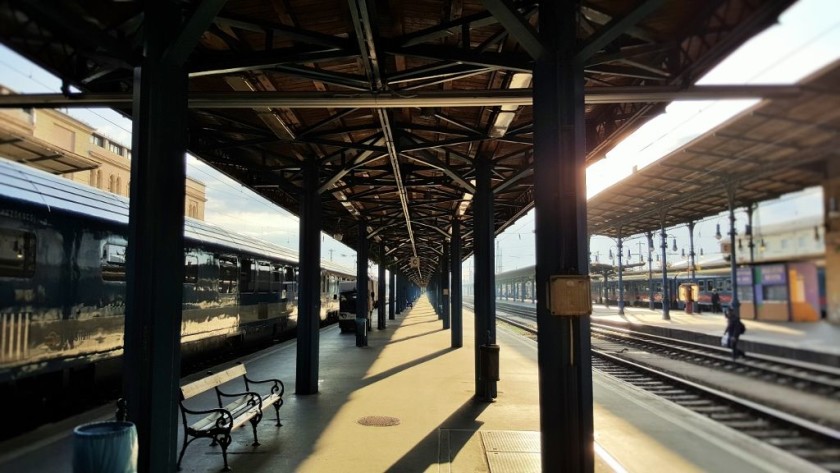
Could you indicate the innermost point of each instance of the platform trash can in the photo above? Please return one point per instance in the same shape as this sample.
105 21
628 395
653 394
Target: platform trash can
489 362
105 447
361 332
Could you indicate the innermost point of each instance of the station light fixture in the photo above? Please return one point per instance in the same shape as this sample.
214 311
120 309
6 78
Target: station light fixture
717 232
674 245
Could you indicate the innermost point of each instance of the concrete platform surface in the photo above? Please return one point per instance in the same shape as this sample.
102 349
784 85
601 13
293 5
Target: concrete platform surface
405 404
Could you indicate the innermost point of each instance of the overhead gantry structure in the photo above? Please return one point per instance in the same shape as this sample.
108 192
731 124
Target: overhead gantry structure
395 100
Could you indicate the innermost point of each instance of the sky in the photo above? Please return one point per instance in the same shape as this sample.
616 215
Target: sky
806 38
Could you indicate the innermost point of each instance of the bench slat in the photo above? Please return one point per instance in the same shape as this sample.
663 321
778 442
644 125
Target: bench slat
211 381
237 409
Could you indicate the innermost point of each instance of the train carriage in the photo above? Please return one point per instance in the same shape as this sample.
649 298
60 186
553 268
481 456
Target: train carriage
62 281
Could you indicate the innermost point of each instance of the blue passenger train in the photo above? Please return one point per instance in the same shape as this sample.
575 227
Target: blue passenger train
62 284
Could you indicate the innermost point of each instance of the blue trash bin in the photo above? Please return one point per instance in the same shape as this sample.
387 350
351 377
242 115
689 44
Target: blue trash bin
105 447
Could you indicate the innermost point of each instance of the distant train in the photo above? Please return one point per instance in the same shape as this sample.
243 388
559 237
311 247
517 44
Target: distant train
637 289
62 282
790 290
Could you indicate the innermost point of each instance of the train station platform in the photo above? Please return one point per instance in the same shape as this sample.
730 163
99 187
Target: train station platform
809 342
405 404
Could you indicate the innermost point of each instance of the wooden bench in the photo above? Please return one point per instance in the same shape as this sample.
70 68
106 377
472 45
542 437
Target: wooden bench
218 422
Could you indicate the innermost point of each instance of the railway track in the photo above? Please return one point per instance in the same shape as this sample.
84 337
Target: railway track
821 380
813 442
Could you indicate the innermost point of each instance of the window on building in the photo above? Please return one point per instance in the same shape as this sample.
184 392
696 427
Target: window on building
119 186
112 183
97 140
99 179
115 148
92 180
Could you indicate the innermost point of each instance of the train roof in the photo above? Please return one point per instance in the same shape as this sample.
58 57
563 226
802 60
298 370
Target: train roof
43 189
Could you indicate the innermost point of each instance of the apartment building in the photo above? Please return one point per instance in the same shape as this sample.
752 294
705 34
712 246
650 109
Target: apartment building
55 142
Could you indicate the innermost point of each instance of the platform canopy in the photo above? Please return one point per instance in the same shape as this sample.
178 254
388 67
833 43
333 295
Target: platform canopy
394 98
778 146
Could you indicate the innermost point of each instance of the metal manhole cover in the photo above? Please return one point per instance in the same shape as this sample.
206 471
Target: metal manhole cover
379 421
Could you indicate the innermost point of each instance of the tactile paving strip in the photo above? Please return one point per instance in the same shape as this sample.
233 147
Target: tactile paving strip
512 451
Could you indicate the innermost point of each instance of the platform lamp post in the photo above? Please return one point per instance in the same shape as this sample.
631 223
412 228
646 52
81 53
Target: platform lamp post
649 236
749 232
666 301
620 248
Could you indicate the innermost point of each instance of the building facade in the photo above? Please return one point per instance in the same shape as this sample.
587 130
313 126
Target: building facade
59 144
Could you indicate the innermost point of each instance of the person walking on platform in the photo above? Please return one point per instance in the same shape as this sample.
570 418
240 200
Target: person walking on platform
734 329
715 302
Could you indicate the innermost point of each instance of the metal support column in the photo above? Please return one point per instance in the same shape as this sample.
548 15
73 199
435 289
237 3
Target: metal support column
561 241
620 247
666 301
457 287
155 257
392 294
444 284
362 291
380 291
735 305
649 236
750 209
398 294
692 264
485 303
309 282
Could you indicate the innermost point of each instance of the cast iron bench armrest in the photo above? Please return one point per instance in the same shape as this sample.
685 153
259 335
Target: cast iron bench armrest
254 398
279 388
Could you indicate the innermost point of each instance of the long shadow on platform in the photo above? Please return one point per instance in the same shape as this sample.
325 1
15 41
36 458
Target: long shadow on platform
422 457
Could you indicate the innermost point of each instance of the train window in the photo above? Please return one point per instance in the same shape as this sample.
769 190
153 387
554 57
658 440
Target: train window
113 262
290 275
228 275
190 269
17 254
263 276
276 278
246 276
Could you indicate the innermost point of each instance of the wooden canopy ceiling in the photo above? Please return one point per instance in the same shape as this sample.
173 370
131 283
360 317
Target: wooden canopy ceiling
395 99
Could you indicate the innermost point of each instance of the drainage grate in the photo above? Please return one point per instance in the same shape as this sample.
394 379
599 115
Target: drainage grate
379 421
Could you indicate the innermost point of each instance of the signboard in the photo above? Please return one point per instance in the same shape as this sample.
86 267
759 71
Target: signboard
569 296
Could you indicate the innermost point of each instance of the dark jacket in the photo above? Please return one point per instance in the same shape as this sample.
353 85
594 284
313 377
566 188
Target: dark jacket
734 327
